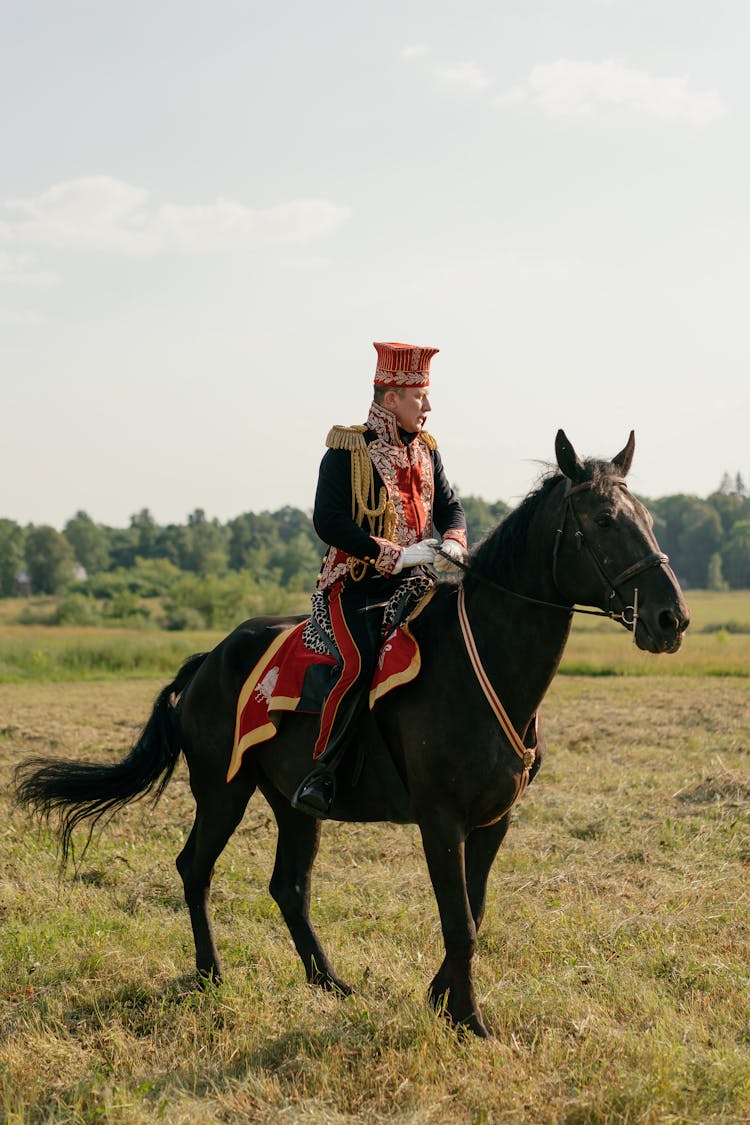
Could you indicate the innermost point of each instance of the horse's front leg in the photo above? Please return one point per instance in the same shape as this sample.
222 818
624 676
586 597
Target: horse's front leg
479 854
452 990
482 845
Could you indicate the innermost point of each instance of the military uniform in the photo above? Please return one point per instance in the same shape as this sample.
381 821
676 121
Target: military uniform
380 490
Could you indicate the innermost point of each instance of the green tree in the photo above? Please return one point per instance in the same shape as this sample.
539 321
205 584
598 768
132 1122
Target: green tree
690 533
12 557
206 545
50 560
730 508
698 540
123 546
147 578
221 601
735 556
291 522
249 534
146 533
89 542
298 562
715 575
172 544
481 516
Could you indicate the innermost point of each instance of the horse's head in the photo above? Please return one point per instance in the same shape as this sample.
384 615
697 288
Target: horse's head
606 554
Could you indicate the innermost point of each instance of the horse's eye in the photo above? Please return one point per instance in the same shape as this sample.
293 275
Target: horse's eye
604 519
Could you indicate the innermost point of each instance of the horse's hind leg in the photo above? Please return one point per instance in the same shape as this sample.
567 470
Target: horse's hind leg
220 808
297 847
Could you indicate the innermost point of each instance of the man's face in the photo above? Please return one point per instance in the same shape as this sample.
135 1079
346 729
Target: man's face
411 405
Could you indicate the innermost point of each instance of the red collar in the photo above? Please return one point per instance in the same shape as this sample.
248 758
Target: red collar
383 423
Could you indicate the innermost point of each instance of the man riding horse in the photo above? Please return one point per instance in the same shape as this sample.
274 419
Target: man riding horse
382 495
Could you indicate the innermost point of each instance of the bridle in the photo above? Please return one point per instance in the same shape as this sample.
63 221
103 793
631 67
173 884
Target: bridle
611 585
628 614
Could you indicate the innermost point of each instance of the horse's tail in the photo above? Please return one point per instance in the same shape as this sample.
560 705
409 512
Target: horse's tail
80 791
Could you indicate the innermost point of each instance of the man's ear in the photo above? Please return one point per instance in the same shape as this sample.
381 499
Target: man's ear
390 399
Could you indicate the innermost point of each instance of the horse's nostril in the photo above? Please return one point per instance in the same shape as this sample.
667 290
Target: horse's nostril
669 622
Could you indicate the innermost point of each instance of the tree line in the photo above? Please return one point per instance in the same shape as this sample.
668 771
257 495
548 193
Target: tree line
209 573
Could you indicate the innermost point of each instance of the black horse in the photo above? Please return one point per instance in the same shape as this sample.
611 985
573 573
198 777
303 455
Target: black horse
580 537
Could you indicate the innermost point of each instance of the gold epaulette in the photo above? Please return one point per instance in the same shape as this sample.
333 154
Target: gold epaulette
346 437
429 440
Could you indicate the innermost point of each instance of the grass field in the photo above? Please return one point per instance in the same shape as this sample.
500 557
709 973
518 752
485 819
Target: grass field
612 966
718 643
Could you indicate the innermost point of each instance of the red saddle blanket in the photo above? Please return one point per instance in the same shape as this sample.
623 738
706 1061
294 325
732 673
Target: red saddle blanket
276 683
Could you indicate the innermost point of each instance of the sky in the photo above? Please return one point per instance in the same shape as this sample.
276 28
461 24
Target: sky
209 211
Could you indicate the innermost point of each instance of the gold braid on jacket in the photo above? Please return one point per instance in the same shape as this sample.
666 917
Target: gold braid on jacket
381 517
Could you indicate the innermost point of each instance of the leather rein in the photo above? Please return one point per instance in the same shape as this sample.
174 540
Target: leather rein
628 615
527 754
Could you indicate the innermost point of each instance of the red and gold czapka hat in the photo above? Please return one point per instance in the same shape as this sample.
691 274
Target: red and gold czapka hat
402 365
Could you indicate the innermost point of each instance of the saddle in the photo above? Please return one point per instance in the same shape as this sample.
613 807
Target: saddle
289 677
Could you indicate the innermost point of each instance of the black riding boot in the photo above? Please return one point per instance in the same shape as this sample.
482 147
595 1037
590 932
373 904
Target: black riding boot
317 792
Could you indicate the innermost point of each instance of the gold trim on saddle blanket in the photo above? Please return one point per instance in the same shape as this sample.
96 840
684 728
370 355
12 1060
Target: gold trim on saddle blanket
282 703
406 674
259 734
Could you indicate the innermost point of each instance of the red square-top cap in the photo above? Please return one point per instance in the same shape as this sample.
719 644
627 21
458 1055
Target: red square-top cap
402 365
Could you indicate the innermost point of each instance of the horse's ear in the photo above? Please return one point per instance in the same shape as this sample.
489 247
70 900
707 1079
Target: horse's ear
624 458
567 459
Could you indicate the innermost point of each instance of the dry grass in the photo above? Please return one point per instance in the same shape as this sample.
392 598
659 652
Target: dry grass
612 965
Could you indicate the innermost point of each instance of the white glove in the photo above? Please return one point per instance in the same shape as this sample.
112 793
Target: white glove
455 550
419 554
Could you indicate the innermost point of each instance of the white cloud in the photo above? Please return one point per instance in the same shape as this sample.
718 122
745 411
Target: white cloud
462 74
225 225
569 87
21 269
513 96
101 213
23 318
465 74
91 213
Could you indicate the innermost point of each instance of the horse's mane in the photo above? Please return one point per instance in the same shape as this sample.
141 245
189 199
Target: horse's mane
502 547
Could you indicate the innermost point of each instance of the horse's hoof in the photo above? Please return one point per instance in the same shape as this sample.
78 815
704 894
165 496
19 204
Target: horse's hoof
474 1024
340 987
329 983
463 1024
439 1001
438 989
209 978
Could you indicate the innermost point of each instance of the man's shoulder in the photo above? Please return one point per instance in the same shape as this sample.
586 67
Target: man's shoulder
346 437
352 438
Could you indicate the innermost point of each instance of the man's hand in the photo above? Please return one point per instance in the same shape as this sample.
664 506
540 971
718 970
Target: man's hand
455 550
419 554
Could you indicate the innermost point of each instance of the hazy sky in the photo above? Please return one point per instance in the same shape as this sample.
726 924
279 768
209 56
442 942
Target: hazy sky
208 212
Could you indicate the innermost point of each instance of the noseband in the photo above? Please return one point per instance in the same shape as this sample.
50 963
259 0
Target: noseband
611 585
